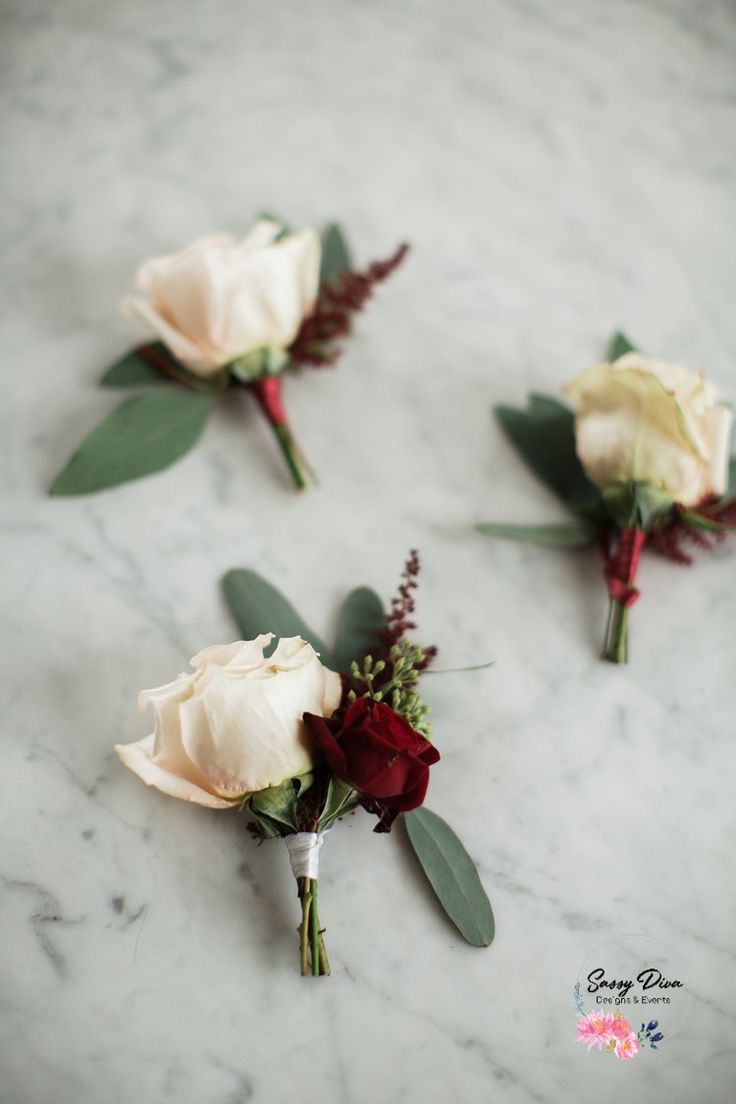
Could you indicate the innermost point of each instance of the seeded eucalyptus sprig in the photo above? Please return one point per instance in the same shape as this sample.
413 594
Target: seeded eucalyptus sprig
394 682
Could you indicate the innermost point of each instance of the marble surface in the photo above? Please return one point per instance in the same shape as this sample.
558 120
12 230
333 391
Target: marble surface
560 170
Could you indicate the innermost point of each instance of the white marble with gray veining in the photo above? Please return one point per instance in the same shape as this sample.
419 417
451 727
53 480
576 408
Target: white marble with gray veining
560 170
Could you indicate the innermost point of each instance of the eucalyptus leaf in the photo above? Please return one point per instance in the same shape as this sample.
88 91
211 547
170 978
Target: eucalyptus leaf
361 619
452 875
132 371
340 799
619 346
153 364
557 536
258 607
731 490
544 436
142 435
336 257
459 670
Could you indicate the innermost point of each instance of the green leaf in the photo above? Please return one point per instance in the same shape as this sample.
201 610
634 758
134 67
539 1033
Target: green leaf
142 435
258 607
619 346
452 875
731 490
340 799
557 536
544 436
361 619
153 364
336 257
284 228
459 670
132 371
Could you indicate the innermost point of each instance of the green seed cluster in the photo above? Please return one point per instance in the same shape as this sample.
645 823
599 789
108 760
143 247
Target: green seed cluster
394 681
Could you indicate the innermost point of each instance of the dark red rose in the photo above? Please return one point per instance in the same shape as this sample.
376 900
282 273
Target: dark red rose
378 753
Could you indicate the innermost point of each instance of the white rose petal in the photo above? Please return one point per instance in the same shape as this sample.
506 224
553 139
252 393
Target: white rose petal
647 421
220 299
141 760
234 726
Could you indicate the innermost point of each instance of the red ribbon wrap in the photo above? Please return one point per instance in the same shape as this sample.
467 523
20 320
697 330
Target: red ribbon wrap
620 568
267 391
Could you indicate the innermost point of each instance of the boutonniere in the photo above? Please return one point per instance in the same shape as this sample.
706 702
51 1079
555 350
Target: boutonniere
641 461
298 736
230 315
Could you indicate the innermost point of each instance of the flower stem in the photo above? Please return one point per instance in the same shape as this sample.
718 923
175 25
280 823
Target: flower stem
314 932
267 392
324 962
616 644
620 569
306 897
292 454
311 942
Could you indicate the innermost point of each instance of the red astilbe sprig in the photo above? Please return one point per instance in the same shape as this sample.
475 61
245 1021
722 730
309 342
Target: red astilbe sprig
336 304
399 620
678 540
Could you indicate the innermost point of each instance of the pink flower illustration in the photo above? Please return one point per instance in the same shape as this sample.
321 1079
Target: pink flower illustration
596 1029
621 1028
627 1048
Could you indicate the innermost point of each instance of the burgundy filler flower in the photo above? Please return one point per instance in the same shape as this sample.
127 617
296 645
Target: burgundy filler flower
378 753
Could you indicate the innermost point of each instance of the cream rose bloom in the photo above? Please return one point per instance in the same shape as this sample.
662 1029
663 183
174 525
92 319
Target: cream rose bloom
234 726
647 421
220 299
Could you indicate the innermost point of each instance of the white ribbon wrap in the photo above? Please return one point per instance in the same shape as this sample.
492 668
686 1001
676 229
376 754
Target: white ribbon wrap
304 849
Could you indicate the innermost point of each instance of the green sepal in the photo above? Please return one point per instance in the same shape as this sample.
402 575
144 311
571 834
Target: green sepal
544 436
635 505
258 607
619 346
361 619
554 536
279 803
452 874
268 361
336 257
340 800
267 829
142 435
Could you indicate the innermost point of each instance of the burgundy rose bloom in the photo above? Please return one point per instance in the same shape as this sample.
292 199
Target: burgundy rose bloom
378 753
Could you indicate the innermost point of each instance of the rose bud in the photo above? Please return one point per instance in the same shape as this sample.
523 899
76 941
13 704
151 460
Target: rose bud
646 421
379 754
219 300
234 726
